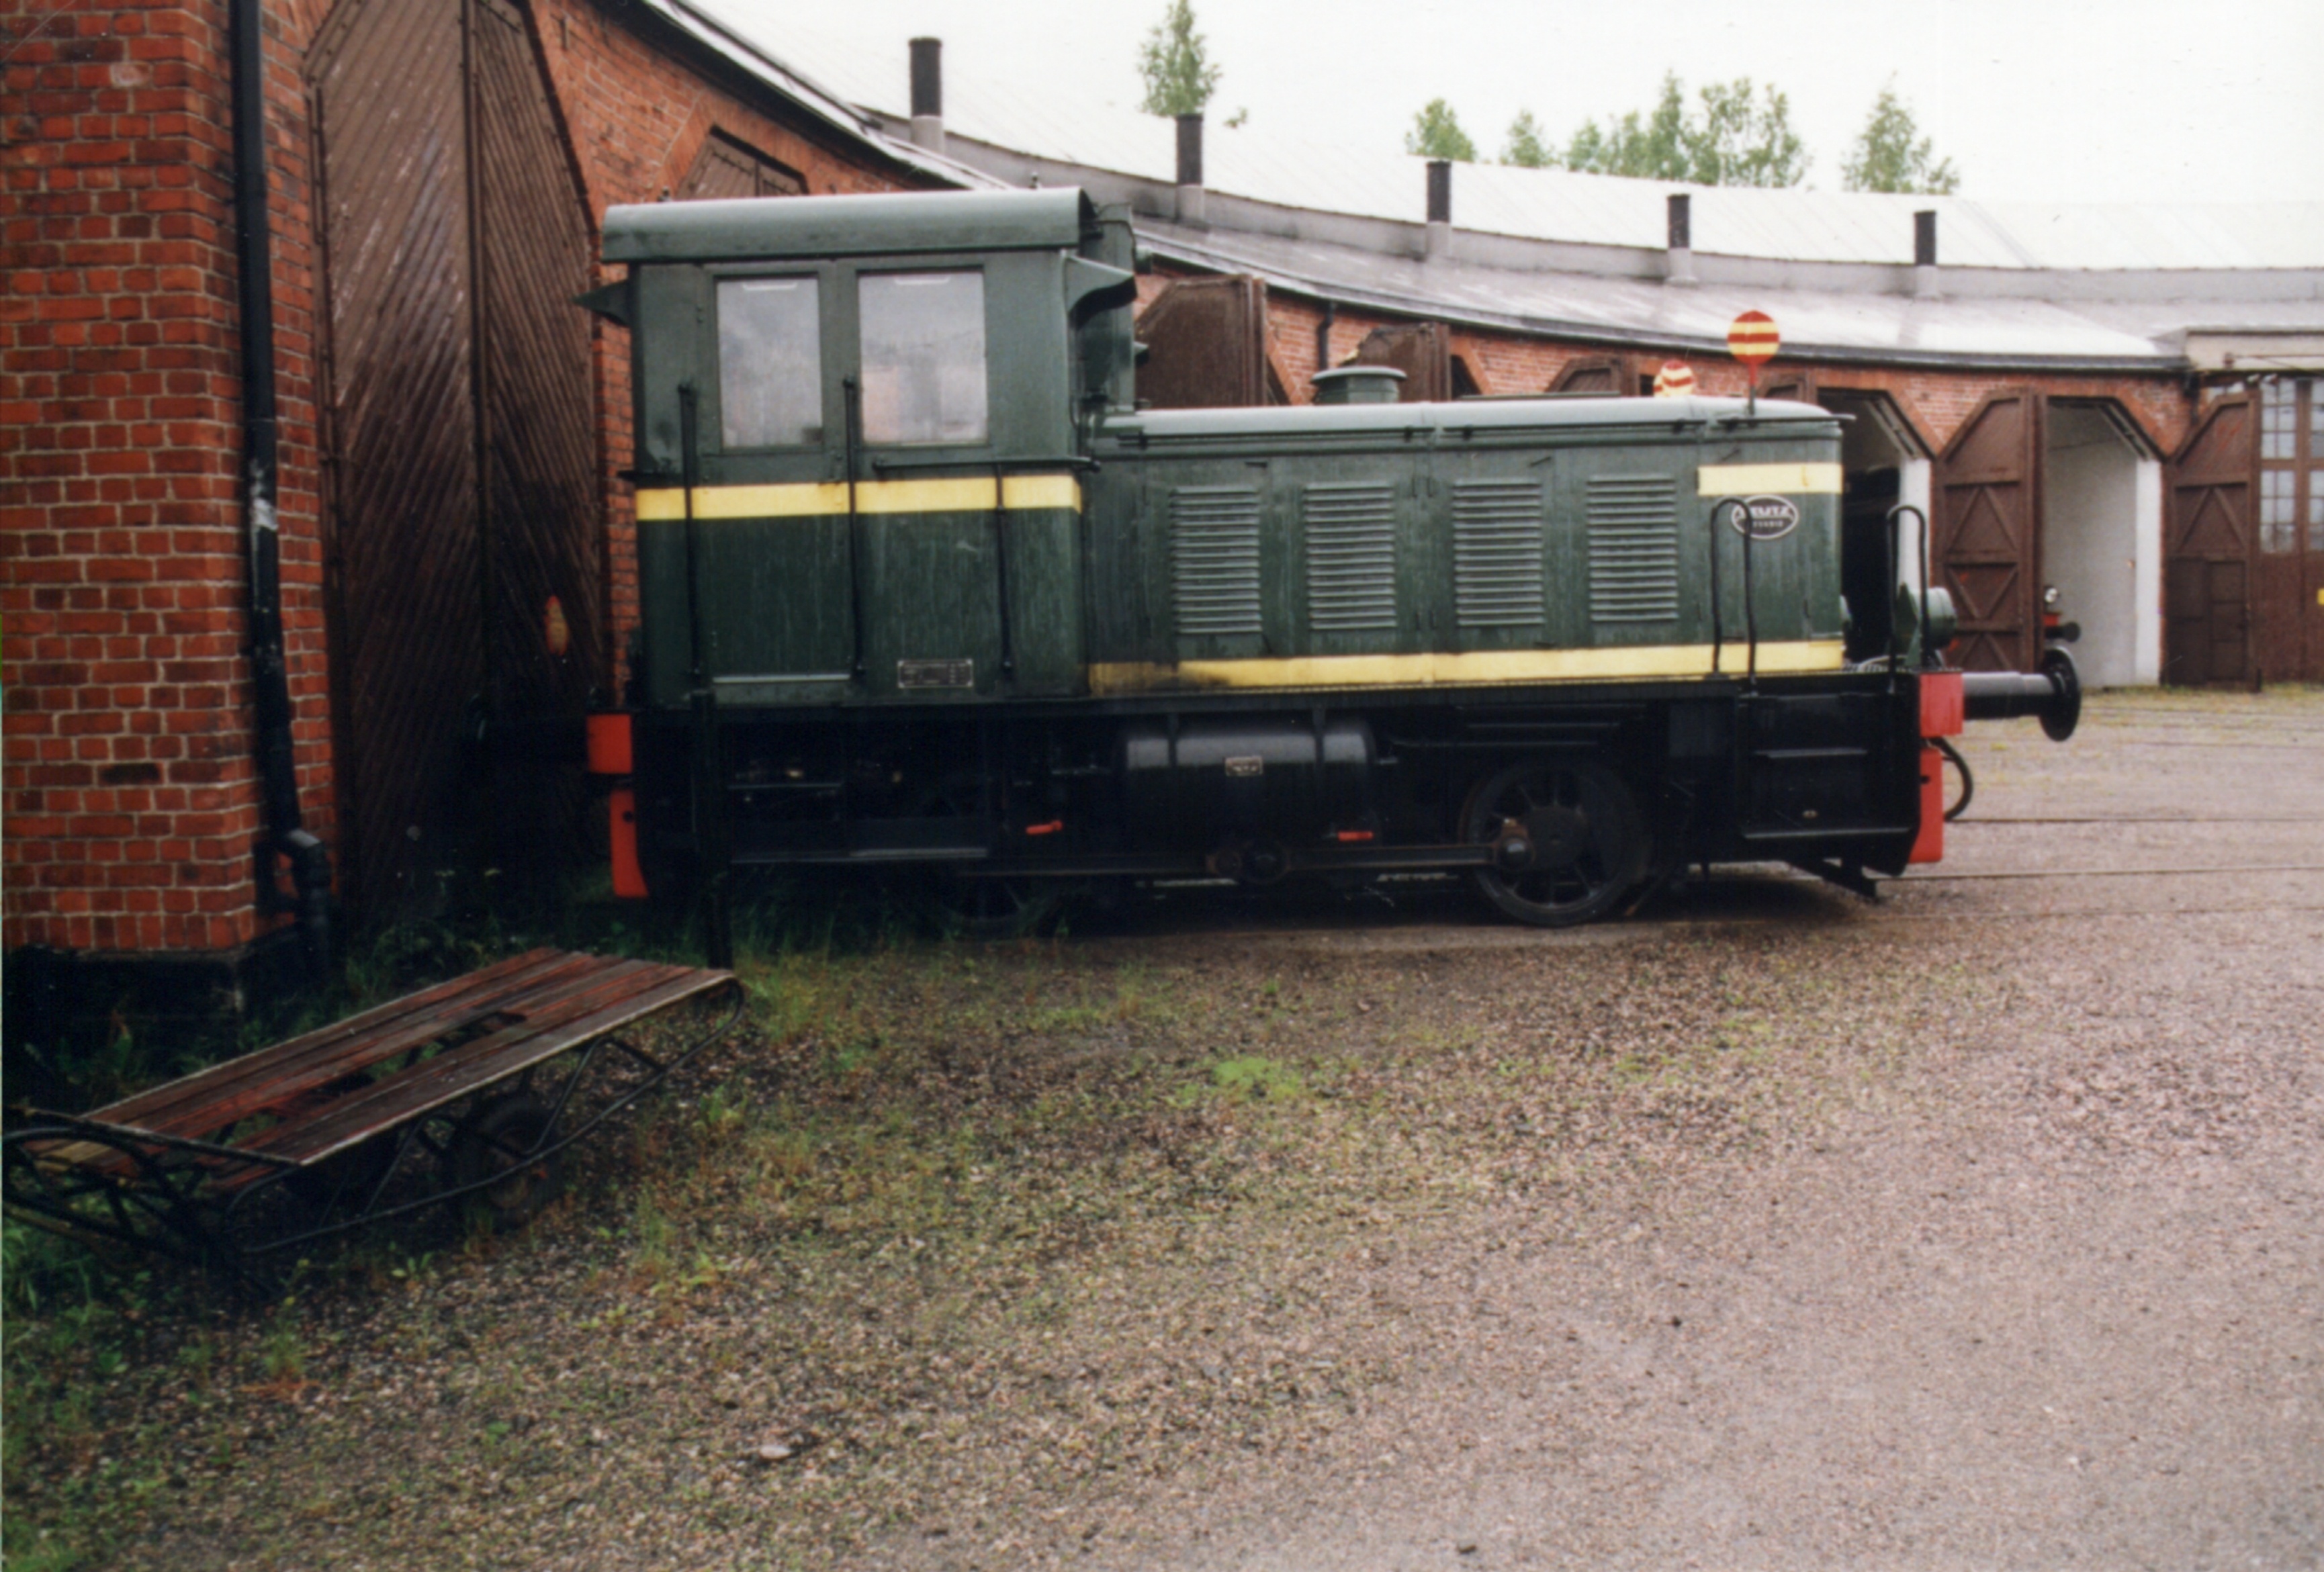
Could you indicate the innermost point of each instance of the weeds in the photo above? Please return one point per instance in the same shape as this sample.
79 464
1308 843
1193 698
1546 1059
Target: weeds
1250 1078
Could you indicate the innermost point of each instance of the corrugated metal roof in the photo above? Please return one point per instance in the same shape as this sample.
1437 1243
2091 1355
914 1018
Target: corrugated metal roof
842 111
1824 324
1555 204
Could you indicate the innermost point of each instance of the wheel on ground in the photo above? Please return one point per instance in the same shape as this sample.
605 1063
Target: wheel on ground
1573 841
496 1149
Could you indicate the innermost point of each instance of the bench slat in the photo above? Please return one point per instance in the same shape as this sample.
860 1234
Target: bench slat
218 1098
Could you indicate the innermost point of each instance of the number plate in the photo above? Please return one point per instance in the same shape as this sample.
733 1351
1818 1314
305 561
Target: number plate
935 674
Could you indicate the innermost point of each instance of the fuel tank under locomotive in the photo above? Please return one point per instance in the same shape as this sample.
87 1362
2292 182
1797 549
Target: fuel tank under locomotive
1233 790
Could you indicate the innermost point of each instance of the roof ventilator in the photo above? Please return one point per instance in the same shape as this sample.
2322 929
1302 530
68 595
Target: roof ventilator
1679 269
1440 209
1190 170
928 94
1924 253
1359 384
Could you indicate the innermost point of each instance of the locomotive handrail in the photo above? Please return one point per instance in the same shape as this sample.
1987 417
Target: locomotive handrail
1928 651
1001 569
715 846
851 423
691 482
1750 611
1072 461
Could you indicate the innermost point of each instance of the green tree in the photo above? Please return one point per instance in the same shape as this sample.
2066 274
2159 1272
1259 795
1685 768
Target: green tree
1651 147
1526 148
1176 64
1730 136
1739 144
1437 133
1885 157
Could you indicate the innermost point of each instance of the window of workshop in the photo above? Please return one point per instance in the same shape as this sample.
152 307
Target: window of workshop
923 366
770 364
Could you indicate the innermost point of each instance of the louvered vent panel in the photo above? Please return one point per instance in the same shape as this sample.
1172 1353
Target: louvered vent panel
1214 559
1633 549
1497 551
1351 559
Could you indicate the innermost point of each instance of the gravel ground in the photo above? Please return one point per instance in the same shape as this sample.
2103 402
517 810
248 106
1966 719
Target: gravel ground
1982 1227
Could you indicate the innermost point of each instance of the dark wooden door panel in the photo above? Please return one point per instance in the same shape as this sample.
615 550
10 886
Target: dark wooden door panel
1206 345
2208 543
2288 530
1422 350
543 576
468 581
1988 530
393 137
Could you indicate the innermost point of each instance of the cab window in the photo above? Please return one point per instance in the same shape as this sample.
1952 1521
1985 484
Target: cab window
770 364
924 373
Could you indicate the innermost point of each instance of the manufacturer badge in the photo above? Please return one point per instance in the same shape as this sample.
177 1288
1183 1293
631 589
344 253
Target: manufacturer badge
1246 764
1765 518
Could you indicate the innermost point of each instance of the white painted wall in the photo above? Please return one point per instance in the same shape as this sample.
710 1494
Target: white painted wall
2093 542
2147 660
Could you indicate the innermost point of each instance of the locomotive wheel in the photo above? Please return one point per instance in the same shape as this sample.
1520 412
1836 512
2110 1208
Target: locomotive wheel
495 1143
1577 842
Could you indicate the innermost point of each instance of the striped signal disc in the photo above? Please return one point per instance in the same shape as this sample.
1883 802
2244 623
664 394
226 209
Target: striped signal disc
1752 338
1674 380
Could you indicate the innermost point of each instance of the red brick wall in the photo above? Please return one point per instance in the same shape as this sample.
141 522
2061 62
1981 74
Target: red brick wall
127 771
126 765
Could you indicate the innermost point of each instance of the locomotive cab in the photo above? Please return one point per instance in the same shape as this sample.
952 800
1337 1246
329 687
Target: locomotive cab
858 439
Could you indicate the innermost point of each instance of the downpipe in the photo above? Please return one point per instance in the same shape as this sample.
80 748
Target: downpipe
286 836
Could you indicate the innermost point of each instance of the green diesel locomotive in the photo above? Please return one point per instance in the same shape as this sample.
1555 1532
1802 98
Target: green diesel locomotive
921 584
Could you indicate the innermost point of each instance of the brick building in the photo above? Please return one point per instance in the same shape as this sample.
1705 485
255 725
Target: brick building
453 542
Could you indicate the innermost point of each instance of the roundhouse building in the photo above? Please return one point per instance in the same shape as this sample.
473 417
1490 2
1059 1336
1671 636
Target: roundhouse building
2121 404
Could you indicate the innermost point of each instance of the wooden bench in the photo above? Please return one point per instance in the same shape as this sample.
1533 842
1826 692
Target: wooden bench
341 1109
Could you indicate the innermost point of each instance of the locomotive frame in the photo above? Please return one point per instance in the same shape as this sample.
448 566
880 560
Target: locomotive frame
922 585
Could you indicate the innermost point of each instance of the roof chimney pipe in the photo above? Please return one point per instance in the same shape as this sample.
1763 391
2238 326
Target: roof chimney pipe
1924 252
1680 269
1440 208
927 94
1190 169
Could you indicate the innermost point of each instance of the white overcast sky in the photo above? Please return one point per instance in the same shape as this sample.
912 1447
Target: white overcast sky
2034 100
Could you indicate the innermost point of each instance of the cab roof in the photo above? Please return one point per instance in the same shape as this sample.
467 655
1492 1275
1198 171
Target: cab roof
882 223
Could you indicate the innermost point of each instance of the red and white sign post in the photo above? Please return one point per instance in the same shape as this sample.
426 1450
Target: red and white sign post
1752 339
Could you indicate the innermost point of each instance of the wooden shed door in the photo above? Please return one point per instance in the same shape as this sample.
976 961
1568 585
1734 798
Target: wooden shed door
1988 531
1206 345
461 481
544 582
409 646
2288 568
1422 350
2208 549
